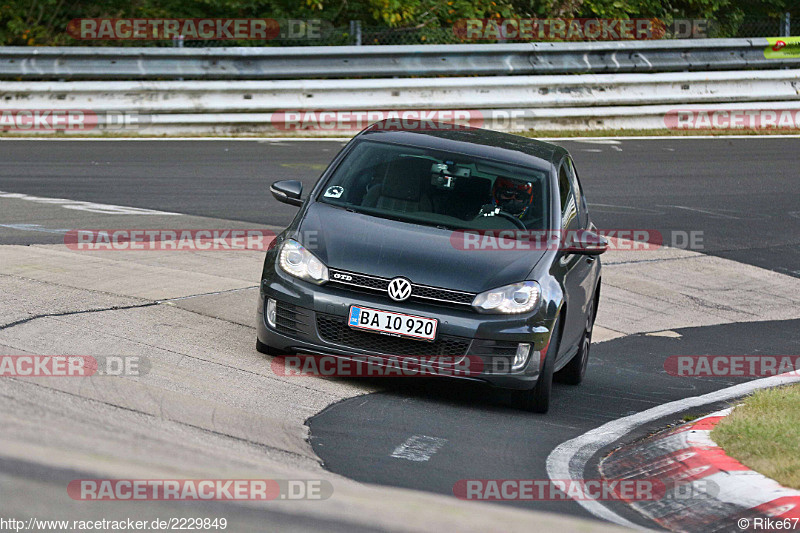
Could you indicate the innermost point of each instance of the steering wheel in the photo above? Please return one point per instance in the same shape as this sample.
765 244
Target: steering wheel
513 219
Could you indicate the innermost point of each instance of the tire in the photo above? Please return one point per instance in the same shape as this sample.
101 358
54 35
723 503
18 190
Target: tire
537 399
269 350
575 370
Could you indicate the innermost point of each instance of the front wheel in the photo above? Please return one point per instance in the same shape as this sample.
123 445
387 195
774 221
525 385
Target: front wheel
537 399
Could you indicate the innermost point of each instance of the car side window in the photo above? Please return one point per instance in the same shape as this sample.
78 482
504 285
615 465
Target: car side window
577 191
569 210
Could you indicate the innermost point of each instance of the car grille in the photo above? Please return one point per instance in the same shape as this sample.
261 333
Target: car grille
334 329
354 280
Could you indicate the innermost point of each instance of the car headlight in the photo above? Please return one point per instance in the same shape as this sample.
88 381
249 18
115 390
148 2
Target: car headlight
300 263
515 298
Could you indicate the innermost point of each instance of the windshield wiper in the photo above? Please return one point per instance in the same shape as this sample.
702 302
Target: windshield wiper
398 218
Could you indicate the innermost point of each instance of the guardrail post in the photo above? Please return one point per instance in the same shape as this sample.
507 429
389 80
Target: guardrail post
355 31
177 42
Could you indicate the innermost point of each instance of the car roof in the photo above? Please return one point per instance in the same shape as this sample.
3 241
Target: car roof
467 140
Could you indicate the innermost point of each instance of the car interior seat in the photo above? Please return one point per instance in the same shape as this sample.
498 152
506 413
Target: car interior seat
404 187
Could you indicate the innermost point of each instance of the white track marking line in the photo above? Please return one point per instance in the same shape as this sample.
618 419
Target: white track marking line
625 208
90 207
703 211
418 448
665 333
568 460
33 227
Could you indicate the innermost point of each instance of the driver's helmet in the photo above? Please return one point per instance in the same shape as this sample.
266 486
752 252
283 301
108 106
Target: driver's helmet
512 196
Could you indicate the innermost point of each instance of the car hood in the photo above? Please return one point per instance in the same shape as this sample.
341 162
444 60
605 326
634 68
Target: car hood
423 254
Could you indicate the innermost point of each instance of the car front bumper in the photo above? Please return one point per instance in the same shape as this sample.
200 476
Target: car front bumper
313 319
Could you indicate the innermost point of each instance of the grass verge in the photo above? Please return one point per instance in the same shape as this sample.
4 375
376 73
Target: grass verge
764 434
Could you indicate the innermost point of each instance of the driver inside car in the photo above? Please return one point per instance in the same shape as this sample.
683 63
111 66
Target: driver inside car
509 196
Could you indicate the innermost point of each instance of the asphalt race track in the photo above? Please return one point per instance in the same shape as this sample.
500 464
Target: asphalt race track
738 293
742 193
486 439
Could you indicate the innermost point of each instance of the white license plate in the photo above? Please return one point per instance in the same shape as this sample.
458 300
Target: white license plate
390 323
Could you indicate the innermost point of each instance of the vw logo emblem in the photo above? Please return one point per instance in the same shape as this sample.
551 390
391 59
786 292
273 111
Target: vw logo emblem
399 289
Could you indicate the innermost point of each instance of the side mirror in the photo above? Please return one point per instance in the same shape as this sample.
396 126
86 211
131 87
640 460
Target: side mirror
585 242
287 191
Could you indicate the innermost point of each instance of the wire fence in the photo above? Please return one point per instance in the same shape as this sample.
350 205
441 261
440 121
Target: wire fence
773 27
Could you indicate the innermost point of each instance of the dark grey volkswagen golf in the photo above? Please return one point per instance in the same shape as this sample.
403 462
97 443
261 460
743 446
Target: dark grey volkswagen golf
449 241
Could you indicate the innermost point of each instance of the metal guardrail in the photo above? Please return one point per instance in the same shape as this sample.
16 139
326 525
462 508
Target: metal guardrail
511 103
494 92
115 63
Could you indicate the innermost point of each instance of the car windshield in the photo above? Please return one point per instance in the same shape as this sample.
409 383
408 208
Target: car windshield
429 187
